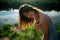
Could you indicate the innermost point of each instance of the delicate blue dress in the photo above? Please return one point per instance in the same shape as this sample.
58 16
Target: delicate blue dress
52 31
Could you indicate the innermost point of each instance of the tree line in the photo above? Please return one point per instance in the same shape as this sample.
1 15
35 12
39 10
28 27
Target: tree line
42 4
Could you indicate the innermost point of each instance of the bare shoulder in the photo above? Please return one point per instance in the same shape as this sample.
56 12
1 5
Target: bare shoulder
44 18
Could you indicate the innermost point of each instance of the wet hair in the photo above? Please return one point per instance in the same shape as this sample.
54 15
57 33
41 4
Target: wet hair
27 8
23 18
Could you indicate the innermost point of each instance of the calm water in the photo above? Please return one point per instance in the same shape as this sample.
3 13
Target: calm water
11 17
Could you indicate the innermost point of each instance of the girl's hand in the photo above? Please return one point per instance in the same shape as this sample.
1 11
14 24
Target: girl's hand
37 25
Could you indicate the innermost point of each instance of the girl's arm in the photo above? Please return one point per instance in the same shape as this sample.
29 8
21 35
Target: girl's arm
45 30
44 27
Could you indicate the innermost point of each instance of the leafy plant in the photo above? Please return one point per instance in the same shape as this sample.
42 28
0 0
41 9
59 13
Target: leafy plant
5 30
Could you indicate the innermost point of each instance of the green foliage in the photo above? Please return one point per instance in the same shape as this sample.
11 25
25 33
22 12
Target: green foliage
14 36
29 34
16 24
5 30
7 26
58 28
42 4
11 1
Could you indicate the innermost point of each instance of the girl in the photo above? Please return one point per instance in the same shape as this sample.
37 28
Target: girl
33 23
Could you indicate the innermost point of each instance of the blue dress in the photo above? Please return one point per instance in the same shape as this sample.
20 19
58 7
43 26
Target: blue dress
52 31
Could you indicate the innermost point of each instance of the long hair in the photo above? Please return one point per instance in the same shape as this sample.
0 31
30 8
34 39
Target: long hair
27 8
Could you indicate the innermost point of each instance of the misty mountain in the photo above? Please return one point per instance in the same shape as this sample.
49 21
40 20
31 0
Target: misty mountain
11 17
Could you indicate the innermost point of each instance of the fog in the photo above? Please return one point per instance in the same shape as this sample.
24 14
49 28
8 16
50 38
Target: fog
11 16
